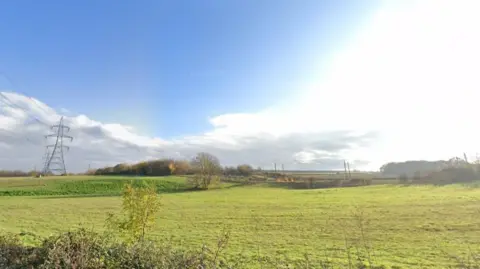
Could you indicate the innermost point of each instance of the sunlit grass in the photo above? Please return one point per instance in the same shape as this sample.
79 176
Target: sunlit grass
407 226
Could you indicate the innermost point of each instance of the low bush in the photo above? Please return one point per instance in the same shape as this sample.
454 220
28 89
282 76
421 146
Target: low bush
17 173
451 175
15 255
76 249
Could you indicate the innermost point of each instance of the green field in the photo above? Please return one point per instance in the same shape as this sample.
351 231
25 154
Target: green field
82 185
408 226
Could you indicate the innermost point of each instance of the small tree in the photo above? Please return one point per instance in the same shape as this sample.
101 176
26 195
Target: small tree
207 167
140 205
245 170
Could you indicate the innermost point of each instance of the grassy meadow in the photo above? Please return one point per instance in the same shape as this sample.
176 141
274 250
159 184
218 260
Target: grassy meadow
83 185
406 226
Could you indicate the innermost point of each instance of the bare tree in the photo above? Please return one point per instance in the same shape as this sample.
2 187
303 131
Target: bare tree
207 167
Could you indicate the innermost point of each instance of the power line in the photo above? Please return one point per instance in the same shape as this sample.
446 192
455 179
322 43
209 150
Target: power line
4 102
54 159
9 79
15 135
12 104
9 103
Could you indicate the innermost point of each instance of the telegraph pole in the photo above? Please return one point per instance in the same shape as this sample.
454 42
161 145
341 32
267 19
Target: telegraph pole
349 174
55 161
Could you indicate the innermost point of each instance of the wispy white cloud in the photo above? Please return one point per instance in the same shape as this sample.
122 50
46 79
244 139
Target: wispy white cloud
99 144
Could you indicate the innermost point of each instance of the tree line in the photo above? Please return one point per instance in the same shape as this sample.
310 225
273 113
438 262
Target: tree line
412 168
168 166
165 167
201 163
17 173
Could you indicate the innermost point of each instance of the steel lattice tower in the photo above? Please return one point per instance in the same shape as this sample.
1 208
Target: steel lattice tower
54 161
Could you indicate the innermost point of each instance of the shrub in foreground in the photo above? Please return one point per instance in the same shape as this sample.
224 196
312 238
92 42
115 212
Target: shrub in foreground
83 249
14 255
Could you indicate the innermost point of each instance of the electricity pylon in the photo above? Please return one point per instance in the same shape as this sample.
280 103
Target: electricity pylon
55 161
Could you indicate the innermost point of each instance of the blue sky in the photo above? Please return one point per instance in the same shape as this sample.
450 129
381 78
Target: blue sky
166 67
308 84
